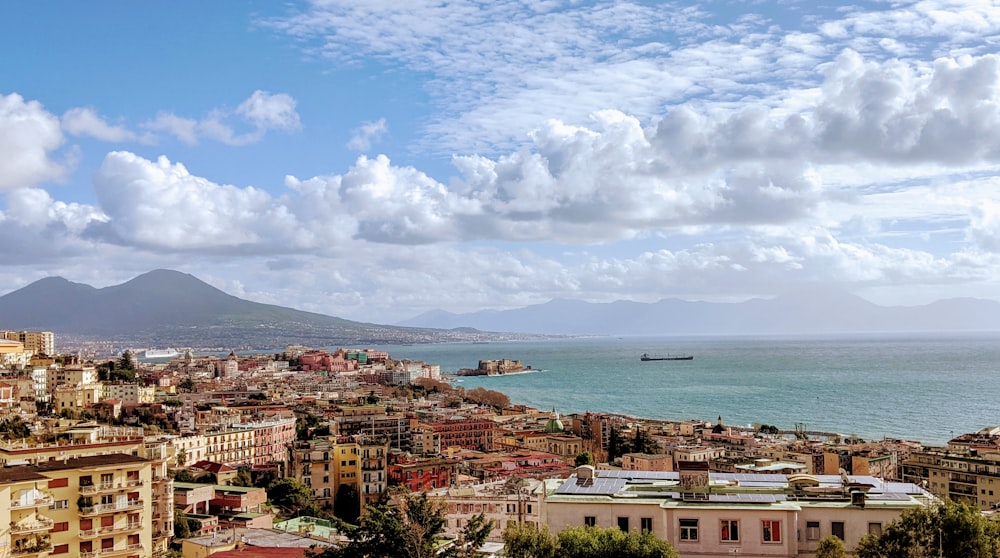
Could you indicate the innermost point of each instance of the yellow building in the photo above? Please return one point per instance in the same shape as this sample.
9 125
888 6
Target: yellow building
82 506
12 353
327 465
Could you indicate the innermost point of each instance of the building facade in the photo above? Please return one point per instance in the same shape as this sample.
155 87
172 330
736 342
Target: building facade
721 515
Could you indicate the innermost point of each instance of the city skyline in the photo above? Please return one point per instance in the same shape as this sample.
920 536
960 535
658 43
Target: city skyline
375 161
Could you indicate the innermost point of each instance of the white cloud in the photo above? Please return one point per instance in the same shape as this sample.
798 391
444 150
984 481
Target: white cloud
249 123
369 132
84 121
269 111
28 137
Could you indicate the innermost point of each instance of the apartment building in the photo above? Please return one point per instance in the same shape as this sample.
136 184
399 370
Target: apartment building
327 465
35 342
240 444
721 515
502 503
961 475
373 422
90 507
470 433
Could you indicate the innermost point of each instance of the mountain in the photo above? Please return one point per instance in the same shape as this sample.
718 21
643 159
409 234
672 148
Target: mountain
803 311
170 308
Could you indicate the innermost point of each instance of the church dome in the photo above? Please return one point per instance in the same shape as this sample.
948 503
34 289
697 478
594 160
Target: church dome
554 426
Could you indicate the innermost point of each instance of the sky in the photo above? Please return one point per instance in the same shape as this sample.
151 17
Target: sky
375 160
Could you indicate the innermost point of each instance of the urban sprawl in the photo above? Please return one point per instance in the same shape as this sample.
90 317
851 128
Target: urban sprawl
106 457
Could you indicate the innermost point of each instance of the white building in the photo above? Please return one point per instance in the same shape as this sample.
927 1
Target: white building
720 515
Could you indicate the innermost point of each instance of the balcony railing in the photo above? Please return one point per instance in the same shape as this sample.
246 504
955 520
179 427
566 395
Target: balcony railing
37 502
99 487
111 508
33 527
30 550
112 551
133 482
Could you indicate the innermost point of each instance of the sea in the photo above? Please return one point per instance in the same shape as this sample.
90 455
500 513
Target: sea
926 387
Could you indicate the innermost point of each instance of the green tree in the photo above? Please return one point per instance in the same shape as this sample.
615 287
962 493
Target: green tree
243 477
615 445
14 428
347 503
585 458
946 530
182 529
183 475
470 538
527 540
831 547
126 362
594 542
410 530
644 443
187 384
289 494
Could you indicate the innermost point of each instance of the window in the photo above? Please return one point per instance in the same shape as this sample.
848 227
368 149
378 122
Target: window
59 505
875 529
623 524
689 529
837 529
770 531
590 520
60 549
730 530
812 530
61 526
646 524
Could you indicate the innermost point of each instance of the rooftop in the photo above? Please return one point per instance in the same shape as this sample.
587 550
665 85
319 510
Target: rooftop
742 488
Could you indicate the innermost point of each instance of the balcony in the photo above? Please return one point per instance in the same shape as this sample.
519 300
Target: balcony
37 526
35 503
112 551
30 548
133 482
98 509
100 487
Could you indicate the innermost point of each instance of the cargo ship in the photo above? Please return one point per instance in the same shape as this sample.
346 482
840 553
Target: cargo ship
647 357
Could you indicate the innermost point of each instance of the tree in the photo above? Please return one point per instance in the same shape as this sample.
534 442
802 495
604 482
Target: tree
470 538
14 428
187 384
347 503
409 530
182 529
594 542
615 445
644 443
527 540
831 547
183 475
289 494
947 530
585 458
243 477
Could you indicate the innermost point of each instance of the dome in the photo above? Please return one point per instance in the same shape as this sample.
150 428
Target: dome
554 426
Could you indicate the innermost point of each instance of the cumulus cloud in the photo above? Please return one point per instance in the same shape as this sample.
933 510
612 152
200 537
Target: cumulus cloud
249 123
369 132
84 121
29 135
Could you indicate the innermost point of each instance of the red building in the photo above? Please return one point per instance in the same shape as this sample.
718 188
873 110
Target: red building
472 433
422 474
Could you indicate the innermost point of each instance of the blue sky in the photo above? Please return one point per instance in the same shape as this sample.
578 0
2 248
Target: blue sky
375 160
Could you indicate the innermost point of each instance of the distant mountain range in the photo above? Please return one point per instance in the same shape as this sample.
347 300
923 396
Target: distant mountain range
170 308
805 311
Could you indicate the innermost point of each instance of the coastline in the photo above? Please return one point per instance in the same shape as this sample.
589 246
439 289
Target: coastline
877 387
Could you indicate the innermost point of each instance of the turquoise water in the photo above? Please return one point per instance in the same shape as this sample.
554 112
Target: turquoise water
928 387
